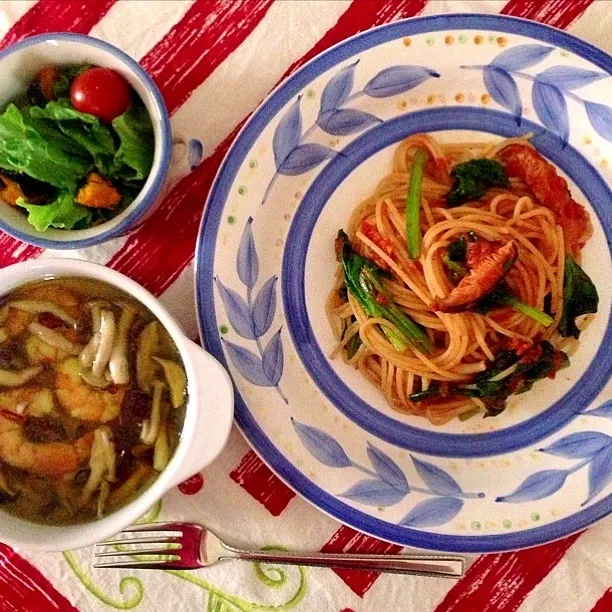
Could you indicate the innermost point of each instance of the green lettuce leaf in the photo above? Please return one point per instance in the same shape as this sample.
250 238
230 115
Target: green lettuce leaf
24 149
67 75
62 213
84 129
51 132
134 157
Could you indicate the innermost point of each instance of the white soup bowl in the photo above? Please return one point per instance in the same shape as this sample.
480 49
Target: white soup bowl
208 418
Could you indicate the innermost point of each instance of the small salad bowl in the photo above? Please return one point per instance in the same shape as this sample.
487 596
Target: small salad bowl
206 428
20 63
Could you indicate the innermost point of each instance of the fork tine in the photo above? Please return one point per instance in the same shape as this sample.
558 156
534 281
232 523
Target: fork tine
152 527
145 540
135 565
137 551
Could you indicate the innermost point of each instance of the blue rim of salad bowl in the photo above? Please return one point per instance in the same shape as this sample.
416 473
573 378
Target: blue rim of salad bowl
148 195
207 321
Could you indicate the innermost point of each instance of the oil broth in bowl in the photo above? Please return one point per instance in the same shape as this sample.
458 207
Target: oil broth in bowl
92 400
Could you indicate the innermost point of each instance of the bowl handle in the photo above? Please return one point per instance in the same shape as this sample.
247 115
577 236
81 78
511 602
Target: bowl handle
215 413
187 155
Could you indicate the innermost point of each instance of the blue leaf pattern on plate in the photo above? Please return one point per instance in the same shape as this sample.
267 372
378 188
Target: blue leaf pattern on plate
433 512
272 359
387 485
264 307
521 56
537 486
569 77
247 363
600 473
551 108
549 90
288 133
387 469
503 89
605 410
321 445
247 262
304 158
195 152
237 310
338 89
294 157
346 121
579 445
374 492
600 117
397 79
436 478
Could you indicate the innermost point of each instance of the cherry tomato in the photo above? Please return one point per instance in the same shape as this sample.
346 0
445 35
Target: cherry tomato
100 92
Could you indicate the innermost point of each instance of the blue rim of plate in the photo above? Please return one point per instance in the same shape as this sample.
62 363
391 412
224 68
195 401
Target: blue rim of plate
387 428
150 195
205 256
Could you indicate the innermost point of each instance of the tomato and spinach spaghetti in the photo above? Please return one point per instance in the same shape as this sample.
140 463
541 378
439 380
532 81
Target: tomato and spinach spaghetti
459 278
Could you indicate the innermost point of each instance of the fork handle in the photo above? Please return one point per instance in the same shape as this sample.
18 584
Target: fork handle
421 565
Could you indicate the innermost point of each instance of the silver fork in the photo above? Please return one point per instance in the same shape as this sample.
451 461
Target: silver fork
195 546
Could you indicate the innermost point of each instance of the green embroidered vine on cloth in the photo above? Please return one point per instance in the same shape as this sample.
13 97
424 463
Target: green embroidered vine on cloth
132 591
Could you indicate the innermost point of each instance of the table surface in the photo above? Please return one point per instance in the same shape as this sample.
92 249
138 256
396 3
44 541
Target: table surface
197 51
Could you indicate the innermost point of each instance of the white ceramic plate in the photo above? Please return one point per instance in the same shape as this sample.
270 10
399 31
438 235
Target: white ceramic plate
315 148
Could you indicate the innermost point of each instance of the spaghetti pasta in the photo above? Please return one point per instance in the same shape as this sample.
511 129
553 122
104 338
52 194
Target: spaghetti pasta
463 344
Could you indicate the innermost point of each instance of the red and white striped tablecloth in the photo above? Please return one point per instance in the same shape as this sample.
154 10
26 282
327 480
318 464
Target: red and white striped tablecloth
202 52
